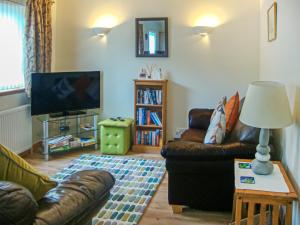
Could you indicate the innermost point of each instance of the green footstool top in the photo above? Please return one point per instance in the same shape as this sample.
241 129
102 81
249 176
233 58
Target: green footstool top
111 123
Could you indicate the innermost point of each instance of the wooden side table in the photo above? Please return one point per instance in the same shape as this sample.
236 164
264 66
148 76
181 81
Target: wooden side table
264 199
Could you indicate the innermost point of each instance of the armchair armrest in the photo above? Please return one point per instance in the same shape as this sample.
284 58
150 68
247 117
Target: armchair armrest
17 205
193 151
200 118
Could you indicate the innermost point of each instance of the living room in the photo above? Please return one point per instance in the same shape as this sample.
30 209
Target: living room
215 49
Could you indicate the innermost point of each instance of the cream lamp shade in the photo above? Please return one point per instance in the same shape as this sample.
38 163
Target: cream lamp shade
266 106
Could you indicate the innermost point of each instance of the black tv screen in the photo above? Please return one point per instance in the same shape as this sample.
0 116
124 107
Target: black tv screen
65 91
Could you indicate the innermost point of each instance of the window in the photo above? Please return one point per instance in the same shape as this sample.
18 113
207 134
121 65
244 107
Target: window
152 42
12 25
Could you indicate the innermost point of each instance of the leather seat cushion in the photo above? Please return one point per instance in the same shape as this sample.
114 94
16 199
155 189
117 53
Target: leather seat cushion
74 197
243 133
195 135
17 204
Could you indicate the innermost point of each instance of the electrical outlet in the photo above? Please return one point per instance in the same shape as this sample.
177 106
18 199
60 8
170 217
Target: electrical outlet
179 132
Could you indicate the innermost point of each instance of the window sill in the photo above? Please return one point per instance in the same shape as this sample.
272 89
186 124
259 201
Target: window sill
12 92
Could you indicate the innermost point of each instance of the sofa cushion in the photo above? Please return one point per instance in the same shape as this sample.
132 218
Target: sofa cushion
243 133
217 127
195 135
232 111
17 204
74 198
15 169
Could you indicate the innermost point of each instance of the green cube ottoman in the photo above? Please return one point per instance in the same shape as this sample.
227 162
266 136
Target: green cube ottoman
115 136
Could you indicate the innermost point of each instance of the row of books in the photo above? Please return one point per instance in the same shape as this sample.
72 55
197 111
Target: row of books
67 142
146 117
151 138
149 96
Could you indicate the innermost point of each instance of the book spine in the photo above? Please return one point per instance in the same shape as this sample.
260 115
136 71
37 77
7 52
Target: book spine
149 96
148 117
150 138
153 118
156 119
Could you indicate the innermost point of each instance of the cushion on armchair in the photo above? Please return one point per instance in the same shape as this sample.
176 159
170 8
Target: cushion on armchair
15 169
232 111
243 133
217 127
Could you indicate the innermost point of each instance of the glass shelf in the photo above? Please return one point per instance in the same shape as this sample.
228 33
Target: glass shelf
65 133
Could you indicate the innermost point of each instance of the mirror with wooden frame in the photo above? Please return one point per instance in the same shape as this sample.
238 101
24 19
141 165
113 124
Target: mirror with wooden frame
151 37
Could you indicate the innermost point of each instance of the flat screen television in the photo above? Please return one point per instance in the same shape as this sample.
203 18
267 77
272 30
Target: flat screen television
64 92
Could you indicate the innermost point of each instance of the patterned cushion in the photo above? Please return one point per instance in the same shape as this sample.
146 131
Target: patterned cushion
232 112
217 127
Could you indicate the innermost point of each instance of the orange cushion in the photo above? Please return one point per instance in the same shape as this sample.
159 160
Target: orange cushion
232 111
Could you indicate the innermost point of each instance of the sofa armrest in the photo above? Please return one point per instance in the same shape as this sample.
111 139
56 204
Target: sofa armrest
200 118
193 151
82 192
17 204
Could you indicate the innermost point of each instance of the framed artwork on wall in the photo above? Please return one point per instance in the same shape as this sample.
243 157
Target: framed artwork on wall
152 37
272 22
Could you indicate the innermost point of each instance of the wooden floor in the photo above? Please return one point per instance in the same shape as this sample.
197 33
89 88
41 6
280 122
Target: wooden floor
159 212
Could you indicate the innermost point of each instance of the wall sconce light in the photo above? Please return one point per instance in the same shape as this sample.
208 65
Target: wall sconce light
101 31
202 30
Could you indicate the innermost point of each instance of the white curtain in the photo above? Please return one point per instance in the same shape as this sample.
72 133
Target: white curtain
12 26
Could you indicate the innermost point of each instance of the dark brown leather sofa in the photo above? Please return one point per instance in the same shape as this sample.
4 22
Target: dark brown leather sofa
201 176
73 202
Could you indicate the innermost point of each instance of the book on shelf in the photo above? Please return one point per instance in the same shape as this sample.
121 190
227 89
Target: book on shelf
57 140
151 138
87 127
87 141
149 96
67 142
146 117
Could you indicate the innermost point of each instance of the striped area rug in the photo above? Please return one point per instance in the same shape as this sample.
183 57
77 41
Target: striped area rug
136 183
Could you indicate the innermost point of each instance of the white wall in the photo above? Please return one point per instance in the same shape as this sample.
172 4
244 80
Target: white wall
280 62
201 70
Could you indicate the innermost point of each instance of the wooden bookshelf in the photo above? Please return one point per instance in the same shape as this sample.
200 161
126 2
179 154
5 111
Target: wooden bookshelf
160 108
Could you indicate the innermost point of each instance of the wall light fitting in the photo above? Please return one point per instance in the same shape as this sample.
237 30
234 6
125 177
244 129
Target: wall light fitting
101 31
202 30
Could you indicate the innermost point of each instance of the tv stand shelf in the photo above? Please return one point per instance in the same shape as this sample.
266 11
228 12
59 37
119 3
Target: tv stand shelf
67 133
68 113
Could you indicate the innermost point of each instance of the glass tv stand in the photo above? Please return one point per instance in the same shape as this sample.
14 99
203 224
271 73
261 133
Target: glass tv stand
67 133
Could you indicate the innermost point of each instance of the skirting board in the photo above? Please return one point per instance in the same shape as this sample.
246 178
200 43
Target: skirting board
33 149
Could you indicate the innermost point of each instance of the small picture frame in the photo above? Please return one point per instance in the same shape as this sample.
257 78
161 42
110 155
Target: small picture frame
247 180
244 165
143 74
272 22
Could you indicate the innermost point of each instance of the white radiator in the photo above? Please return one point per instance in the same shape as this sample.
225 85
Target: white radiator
16 128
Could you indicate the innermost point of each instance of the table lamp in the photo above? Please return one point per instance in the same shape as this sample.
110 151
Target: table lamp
267 107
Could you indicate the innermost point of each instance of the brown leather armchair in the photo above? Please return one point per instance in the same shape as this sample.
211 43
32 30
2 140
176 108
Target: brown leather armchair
75 201
201 176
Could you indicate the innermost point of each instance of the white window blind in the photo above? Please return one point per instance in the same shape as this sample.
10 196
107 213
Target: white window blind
12 25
